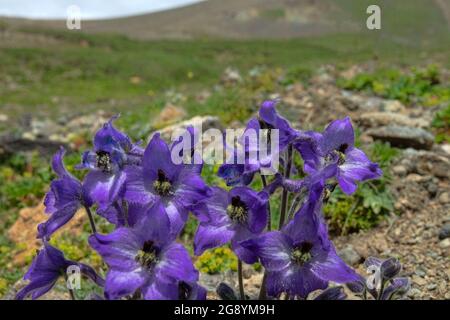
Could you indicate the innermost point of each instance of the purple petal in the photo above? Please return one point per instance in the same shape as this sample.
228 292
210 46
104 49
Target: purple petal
104 188
57 220
357 167
273 248
157 156
176 264
118 249
338 133
333 268
211 236
122 283
109 138
135 191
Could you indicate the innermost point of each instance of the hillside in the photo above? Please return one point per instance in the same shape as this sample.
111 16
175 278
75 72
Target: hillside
239 19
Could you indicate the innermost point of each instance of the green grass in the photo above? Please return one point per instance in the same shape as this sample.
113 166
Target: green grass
372 201
441 123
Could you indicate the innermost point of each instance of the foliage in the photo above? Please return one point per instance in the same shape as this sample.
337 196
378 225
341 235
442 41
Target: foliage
216 261
414 86
369 204
441 123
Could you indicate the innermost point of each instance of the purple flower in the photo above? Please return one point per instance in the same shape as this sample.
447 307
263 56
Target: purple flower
177 186
112 152
230 216
235 173
46 268
333 154
62 201
145 259
270 119
300 258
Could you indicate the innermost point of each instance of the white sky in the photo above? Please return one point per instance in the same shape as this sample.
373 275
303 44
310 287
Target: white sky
90 9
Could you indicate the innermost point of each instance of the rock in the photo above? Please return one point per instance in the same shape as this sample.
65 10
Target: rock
355 101
10 144
378 119
3 117
23 231
431 287
446 148
414 293
231 76
205 122
444 198
350 256
399 170
419 281
393 106
404 137
444 233
426 163
169 114
444 244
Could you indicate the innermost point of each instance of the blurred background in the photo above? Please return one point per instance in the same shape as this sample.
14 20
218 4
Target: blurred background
163 63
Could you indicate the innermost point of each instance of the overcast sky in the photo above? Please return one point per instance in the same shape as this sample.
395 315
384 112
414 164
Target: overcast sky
90 9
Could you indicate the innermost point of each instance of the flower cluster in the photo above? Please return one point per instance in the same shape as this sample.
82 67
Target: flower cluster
148 198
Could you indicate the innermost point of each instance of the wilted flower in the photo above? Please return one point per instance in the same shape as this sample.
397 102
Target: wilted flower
62 201
233 216
177 186
333 154
45 270
145 259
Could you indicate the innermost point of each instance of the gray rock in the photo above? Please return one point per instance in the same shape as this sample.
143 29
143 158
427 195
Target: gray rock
350 256
403 137
399 170
444 233
377 119
444 244
205 122
444 198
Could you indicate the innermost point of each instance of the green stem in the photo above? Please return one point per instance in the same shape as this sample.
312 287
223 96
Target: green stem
71 293
269 214
91 219
241 280
284 197
262 291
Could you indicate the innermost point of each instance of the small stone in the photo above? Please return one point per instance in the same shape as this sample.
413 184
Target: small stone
444 233
349 255
431 287
170 114
444 198
399 170
420 272
419 281
444 243
414 293
403 136
3 117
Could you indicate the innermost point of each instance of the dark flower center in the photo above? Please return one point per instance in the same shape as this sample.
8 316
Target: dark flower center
162 184
341 153
184 291
148 255
104 161
237 210
302 253
338 154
